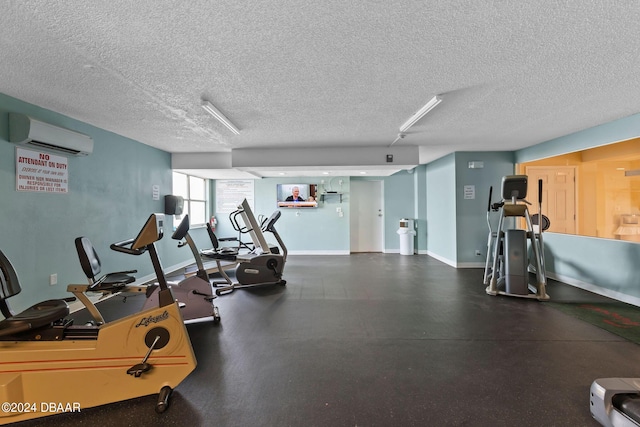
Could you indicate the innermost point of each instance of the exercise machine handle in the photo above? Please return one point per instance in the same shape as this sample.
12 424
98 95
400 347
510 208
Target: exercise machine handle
539 191
122 247
490 194
233 217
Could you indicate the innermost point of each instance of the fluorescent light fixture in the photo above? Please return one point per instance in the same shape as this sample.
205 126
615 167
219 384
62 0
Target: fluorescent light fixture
398 138
209 108
420 113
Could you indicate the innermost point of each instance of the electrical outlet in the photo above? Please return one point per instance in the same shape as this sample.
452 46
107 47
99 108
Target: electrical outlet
53 279
478 253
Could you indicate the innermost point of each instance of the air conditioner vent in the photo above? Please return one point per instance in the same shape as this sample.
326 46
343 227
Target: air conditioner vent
25 130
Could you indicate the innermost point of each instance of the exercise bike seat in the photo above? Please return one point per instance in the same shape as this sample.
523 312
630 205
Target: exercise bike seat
34 317
37 316
227 253
90 263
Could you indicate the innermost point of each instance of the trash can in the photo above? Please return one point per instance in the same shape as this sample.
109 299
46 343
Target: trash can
406 232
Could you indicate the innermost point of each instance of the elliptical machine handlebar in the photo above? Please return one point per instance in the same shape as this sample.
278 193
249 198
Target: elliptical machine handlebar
540 191
493 206
233 217
490 194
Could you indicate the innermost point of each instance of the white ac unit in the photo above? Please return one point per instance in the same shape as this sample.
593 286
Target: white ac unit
25 130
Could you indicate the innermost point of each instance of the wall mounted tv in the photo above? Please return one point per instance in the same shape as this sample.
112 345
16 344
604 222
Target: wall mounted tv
297 195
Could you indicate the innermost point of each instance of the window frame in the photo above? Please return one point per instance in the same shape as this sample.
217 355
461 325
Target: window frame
189 199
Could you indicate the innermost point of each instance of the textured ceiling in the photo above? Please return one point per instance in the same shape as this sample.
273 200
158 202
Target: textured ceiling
293 73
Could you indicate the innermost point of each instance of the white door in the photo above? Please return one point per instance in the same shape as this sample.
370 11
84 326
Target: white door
367 221
558 195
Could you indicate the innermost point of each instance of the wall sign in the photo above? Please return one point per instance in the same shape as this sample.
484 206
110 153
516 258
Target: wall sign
230 193
41 172
469 192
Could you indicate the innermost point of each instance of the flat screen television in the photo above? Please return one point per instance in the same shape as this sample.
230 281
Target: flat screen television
297 195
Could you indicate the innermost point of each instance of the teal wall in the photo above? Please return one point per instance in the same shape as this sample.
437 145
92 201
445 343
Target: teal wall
420 208
109 199
457 227
305 230
321 230
471 224
308 230
399 202
609 265
618 130
440 232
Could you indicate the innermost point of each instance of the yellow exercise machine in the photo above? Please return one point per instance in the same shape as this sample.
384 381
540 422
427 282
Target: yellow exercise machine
48 365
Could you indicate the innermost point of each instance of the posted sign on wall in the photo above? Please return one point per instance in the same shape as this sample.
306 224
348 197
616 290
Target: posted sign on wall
41 172
230 193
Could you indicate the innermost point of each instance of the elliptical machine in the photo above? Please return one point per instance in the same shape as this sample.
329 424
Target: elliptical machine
507 265
262 266
46 358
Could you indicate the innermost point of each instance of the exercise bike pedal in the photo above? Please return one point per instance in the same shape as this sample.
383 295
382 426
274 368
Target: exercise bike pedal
208 297
139 369
142 367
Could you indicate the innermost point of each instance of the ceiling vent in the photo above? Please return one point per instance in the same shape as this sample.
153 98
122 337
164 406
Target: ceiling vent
27 131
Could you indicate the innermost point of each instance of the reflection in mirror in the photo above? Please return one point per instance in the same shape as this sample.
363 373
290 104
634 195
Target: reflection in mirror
594 192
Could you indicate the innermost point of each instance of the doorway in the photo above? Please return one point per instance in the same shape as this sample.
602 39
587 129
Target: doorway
366 219
558 195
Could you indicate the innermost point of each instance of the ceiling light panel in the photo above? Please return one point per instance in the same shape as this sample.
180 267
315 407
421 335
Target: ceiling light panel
420 114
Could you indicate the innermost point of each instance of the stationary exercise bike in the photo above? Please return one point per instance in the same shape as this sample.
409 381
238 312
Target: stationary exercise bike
194 294
46 358
262 266
508 263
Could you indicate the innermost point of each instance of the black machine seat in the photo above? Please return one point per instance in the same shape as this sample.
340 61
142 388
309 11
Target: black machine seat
37 316
34 317
91 266
228 254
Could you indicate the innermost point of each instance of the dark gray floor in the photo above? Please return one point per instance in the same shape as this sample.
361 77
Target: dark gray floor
383 340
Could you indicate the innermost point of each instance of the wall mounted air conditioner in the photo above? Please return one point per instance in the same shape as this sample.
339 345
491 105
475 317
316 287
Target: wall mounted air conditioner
27 131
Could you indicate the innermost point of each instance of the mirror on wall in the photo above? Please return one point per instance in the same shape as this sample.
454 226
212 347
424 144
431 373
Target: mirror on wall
593 192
